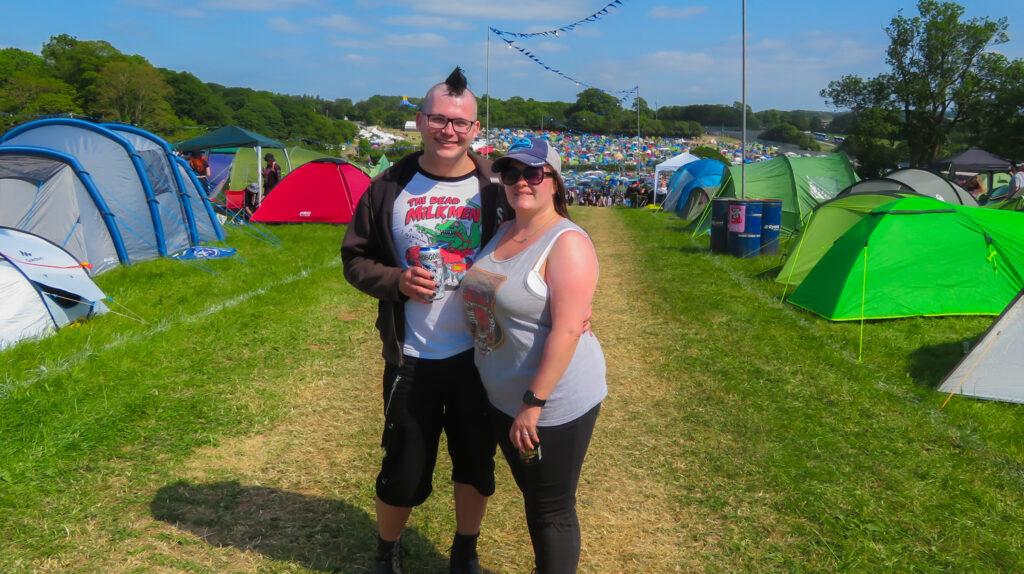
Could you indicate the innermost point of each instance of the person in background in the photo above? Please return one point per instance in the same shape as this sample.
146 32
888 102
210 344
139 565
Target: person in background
1017 178
199 164
528 302
443 195
271 174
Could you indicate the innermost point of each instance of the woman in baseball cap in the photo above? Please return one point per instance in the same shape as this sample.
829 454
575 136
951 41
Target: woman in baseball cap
528 304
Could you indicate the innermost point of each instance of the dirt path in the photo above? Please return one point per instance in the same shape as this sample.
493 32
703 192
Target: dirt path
298 497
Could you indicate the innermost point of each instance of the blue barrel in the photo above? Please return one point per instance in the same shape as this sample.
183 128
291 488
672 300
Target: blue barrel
719 231
745 227
771 225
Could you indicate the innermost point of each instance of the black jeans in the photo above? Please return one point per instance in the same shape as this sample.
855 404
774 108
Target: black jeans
549 487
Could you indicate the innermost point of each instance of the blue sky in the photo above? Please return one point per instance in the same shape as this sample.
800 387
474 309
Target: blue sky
677 52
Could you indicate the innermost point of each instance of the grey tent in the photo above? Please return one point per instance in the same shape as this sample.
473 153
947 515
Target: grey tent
992 370
151 225
914 181
48 193
164 175
234 136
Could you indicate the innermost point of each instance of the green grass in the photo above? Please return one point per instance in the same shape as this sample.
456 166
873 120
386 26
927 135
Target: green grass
236 429
207 363
851 464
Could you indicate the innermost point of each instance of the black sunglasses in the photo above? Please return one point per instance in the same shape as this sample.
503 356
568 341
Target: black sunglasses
532 175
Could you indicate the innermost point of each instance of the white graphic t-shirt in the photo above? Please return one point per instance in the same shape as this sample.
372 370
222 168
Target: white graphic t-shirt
439 211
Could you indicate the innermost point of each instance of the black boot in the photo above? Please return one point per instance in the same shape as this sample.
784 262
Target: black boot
389 557
463 558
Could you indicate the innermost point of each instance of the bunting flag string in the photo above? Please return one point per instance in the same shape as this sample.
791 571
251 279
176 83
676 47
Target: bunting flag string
621 95
567 28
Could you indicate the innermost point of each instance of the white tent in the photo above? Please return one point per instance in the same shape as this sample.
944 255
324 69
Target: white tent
992 370
42 288
671 165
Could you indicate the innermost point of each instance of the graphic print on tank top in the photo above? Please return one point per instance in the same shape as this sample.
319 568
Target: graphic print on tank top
479 292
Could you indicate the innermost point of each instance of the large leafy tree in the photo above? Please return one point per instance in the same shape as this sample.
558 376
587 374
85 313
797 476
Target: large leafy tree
79 62
131 90
191 98
998 125
932 81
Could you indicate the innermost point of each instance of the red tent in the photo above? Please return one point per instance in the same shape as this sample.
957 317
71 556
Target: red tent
324 191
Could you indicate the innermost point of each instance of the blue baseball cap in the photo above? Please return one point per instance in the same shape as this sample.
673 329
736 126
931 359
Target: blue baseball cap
534 152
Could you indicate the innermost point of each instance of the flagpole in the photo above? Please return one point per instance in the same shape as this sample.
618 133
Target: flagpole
743 152
638 138
487 98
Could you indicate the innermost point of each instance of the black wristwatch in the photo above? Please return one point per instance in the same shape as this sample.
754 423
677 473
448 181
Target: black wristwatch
531 400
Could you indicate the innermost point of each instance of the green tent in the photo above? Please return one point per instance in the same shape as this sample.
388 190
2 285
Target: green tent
917 256
382 164
235 137
800 182
830 221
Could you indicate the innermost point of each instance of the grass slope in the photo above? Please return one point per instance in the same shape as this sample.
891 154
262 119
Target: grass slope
818 462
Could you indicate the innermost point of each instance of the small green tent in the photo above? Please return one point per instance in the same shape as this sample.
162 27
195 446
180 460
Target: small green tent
378 168
800 182
917 256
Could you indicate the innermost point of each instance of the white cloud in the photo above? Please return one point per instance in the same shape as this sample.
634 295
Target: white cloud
177 9
676 61
519 10
256 5
349 43
674 12
546 47
422 21
358 59
284 25
339 23
420 40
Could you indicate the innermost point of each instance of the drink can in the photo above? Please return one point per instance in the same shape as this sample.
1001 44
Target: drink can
432 260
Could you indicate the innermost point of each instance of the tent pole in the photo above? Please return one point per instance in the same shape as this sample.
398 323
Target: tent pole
259 175
743 151
287 159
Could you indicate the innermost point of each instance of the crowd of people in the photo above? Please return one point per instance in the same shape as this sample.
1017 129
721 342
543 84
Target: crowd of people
635 194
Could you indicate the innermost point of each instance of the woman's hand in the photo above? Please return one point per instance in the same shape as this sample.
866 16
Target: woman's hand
523 433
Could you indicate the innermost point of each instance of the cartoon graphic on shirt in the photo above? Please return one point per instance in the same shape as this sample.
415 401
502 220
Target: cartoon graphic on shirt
457 233
479 291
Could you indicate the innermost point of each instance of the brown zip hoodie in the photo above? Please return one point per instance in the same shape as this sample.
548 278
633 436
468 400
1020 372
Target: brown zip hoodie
368 250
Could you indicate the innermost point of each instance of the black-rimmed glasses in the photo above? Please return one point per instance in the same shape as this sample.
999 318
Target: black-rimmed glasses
532 175
439 122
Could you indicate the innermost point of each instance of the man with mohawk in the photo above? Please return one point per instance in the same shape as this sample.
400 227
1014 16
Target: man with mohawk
446 197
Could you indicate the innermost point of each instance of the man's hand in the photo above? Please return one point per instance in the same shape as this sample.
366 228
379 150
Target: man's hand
417 284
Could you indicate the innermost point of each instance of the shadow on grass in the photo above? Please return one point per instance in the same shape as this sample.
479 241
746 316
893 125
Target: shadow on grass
318 533
930 363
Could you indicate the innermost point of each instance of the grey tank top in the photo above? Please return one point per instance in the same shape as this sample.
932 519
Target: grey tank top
509 315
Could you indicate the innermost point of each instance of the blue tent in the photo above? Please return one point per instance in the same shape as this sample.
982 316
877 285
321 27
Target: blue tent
49 193
163 172
692 186
149 208
151 226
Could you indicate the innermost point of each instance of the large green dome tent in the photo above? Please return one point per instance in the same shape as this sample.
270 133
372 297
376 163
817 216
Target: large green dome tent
918 256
